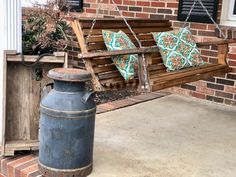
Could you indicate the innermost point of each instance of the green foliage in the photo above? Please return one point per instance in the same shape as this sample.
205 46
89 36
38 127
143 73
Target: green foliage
44 31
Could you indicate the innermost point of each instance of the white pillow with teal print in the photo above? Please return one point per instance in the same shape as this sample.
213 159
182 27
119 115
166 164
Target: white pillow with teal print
126 64
178 49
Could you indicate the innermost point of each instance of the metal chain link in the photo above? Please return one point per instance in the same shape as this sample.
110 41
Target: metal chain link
127 24
133 33
100 4
146 84
216 24
189 13
205 9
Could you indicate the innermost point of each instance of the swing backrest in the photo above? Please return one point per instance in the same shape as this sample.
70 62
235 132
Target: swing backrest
105 73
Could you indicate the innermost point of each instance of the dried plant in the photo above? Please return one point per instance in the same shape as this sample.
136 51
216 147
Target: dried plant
44 28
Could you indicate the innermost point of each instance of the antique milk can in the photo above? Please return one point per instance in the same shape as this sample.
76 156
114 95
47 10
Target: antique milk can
67 126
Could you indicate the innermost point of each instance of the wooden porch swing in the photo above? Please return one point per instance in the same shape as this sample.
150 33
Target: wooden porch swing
152 74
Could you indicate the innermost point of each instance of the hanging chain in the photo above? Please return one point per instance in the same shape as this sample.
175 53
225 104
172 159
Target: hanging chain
216 24
205 9
127 24
146 84
94 22
144 67
189 13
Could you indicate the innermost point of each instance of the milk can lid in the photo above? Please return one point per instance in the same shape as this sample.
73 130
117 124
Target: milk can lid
69 74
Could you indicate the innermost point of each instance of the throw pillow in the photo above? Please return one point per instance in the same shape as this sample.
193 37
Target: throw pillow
178 49
126 64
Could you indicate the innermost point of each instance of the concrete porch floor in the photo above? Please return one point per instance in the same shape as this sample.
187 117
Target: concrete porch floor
173 136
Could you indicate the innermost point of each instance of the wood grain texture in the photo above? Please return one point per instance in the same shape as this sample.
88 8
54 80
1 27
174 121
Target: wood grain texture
106 73
189 78
88 64
23 96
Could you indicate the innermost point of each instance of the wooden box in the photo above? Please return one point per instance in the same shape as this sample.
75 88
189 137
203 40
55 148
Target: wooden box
22 96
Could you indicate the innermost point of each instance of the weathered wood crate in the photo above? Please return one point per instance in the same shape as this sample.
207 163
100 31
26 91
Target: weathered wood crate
22 96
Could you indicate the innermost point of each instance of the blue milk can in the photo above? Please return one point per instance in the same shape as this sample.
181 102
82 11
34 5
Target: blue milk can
67 122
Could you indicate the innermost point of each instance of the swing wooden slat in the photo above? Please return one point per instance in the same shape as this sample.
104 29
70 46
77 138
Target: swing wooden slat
105 74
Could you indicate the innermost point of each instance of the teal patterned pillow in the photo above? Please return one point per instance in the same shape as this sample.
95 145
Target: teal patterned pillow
178 49
126 64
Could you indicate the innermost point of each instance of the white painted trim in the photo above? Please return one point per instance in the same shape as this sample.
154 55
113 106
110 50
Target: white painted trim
10 36
227 16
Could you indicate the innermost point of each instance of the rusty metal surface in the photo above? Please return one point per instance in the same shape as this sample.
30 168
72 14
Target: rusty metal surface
70 74
67 121
52 172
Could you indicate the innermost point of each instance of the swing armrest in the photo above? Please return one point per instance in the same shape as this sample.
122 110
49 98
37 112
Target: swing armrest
144 50
223 48
217 42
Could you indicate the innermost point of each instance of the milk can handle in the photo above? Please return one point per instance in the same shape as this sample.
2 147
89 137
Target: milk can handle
87 95
45 91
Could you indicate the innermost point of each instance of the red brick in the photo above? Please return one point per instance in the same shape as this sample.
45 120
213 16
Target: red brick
209 53
232 63
35 174
90 10
231 76
122 103
123 7
90 1
4 163
205 90
224 94
142 15
194 32
230 89
151 10
127 2
180 91
21 167
30 169
128 14
199 83
232 49
100 110
211 27
114 13
158 4
164 11
215 99
198 95
170 17
105 1
232 56
12 165
135 9
143 3
116 1
107 106
230 102
206 33
178 24
213 60
172 4
198 26
188 87
156 16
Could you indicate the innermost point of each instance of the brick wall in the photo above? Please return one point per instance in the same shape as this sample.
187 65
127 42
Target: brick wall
219 89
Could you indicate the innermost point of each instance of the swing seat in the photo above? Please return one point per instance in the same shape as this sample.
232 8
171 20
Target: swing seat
105 74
